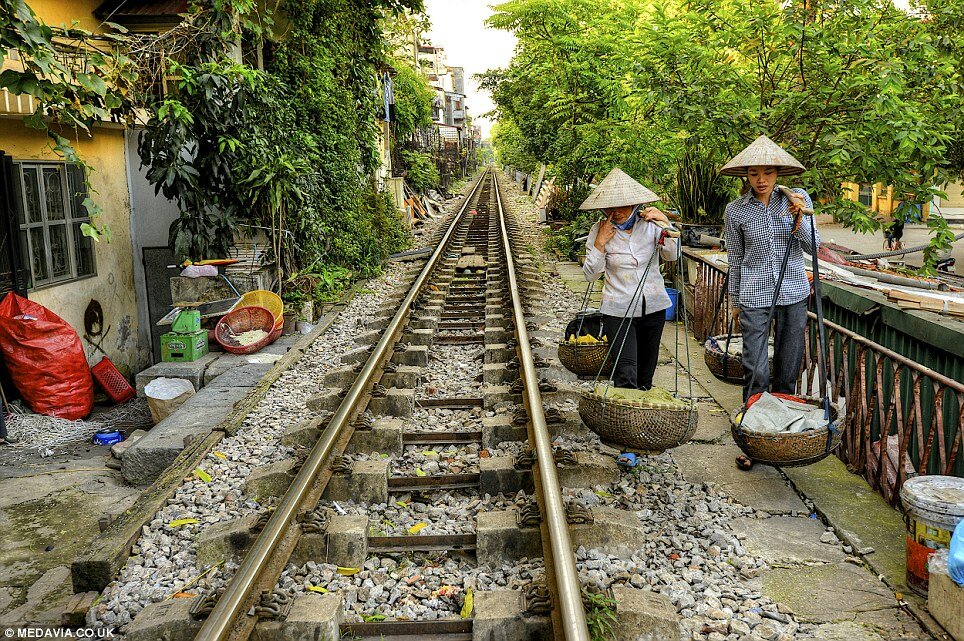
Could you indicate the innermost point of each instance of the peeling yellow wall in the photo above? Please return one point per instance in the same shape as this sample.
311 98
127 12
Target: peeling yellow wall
57 12
955 195
113 286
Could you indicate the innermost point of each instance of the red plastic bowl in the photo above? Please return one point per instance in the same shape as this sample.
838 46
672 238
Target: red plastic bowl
243 320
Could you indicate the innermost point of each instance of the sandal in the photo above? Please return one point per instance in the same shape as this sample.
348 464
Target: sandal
628 459
744 463
7 440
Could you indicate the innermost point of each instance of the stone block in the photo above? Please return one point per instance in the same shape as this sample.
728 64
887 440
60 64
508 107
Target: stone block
498 354
144 460
327 400
225 540
497 335
418 336
591 469
565 393
303 434
499 429
615 532
644 616
385 437
405 376
193 371
498 374
499 540
169 620
415 355
312 616
493 395
379 324
498 474
344 543
499 615
368 338
117 449
498 320
945 600
397 402
367 483
239 375
355 356
270 480
424 322
340 377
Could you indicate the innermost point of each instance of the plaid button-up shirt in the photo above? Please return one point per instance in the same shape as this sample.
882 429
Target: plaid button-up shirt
756 240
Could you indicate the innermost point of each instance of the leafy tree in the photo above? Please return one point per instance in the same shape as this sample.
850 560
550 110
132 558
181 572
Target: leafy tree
858 90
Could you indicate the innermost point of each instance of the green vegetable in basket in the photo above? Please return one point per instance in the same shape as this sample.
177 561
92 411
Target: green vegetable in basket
655 397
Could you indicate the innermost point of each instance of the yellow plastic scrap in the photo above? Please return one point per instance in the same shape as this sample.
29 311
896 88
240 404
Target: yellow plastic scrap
468 605
318 589
348 571
418 527
180 522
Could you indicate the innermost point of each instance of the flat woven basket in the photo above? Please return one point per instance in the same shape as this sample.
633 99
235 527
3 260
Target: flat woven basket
585 360
787 450
647 428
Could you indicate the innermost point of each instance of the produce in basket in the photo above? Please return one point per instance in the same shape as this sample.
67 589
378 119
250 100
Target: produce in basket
655 397
586 340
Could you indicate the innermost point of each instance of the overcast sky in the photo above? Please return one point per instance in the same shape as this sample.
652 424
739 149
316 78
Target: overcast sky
459 27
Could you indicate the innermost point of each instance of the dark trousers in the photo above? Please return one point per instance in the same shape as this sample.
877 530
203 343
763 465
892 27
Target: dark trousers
639 339
789 334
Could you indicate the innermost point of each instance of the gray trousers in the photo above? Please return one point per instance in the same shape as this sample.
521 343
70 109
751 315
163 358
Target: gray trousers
789 334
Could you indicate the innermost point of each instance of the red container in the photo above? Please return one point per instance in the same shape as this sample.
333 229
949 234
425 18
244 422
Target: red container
242 320
113 382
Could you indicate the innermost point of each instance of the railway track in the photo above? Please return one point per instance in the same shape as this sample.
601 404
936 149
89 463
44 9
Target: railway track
466 305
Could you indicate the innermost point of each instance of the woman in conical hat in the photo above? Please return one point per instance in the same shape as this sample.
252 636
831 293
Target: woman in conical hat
762 225
621 246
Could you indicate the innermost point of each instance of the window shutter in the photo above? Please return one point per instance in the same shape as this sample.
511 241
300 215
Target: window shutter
78 191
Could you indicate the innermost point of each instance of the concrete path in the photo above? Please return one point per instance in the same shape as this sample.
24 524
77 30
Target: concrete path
813 521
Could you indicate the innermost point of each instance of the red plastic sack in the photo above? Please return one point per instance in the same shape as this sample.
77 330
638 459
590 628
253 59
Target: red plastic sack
45 358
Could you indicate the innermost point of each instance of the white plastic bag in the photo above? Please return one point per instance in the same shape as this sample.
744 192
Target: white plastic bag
194 271
164 395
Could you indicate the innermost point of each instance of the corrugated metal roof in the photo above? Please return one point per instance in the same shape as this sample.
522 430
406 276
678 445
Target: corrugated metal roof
122 10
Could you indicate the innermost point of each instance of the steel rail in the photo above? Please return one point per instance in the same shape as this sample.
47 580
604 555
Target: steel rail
568 590
230 605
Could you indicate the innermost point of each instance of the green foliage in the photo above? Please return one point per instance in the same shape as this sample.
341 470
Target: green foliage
422 173
195 145
413 100
600 615
73 91
701 193
510 146
858 91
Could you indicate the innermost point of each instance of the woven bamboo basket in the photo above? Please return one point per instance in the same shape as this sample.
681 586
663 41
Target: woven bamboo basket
585 360
787 450
734 364
636 426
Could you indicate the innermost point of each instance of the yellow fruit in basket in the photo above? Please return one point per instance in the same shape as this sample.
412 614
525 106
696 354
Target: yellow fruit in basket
605 339
572 338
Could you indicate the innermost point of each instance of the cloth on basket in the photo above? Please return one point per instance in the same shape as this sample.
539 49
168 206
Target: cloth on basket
773 415
717 344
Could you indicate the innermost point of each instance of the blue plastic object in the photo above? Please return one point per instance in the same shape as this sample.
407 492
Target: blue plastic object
108 437
671 310
628 459
955 557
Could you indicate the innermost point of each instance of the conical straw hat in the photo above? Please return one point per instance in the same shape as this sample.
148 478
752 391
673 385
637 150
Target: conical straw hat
763 151
618 189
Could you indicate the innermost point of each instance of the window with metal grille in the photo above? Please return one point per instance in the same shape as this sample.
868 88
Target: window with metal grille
50 211
866 195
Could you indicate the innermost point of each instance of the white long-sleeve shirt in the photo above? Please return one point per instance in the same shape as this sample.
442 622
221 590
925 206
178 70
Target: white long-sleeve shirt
624 263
